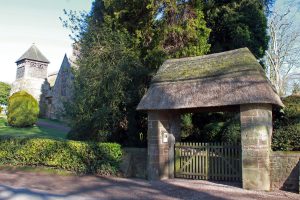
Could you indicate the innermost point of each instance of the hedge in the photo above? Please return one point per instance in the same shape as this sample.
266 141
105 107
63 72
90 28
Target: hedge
79 157
286 133
287 138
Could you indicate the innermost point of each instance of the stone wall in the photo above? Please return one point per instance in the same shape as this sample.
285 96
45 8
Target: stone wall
20 72
285 170
163 130
134 162
31 75
36 70
31 85
55 97
62 91
31 69
256 132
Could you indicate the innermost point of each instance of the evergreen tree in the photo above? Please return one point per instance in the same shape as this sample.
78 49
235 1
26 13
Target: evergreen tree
121 44
238 23
4 93
160 28
107 66
181 28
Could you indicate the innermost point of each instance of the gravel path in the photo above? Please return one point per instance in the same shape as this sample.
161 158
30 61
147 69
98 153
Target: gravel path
33 186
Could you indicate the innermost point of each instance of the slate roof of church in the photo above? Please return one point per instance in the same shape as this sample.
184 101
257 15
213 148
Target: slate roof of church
221 79
33 53
53 76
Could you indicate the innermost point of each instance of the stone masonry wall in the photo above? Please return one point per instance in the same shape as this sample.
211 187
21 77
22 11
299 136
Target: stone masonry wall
61 92
37 70
159 160
20 72
285 170
31 75
31 85
134 162
256 132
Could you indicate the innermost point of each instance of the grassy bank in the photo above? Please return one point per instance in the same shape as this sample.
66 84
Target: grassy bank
35 131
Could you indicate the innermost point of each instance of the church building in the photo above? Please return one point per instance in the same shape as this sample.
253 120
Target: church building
53 90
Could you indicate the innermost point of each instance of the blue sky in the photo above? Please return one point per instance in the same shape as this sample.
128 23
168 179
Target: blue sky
23 22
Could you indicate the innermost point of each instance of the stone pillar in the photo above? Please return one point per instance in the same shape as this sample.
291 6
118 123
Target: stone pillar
256 133
160 151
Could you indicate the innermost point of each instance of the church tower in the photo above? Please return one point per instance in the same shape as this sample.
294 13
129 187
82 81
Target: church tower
32 69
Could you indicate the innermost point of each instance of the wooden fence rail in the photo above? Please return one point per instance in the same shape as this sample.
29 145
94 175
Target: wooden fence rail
208 161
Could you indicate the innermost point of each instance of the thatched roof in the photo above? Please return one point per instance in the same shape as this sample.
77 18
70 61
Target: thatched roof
222 79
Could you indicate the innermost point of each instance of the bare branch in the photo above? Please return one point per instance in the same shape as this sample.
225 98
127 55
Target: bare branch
283 55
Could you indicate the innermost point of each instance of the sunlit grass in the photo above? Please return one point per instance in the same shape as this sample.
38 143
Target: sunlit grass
35 131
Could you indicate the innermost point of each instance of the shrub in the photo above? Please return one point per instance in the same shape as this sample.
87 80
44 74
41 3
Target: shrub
1 109
211 127
187 127
292 109
287 138
232 132
23 110
79 157
286 133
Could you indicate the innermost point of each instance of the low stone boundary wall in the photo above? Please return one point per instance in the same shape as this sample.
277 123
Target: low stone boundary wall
284 165
134 162
285 170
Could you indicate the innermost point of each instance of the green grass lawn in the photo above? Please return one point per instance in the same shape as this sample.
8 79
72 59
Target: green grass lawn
35 131
51 121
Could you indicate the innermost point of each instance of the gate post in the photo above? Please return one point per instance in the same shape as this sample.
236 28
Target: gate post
171 142
163 129
256 132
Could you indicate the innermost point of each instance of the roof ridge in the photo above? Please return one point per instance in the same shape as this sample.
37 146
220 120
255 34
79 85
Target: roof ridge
207 55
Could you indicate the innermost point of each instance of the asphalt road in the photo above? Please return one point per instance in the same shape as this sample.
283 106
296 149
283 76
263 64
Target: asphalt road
34 186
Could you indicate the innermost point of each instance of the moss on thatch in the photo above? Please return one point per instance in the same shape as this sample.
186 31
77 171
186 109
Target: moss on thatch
239 61
221 79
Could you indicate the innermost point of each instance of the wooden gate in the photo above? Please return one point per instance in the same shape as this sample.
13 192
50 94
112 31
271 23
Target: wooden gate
208 161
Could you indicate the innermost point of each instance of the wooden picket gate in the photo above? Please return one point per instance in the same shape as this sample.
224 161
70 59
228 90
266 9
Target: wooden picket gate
208 161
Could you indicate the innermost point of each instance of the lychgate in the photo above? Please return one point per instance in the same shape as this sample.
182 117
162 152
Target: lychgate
228 81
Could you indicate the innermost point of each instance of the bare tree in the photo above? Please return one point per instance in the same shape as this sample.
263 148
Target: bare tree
283 55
